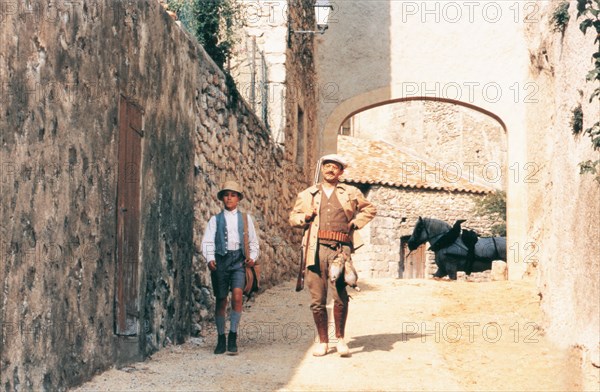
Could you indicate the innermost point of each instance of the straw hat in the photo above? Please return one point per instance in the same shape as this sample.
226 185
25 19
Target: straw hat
230 186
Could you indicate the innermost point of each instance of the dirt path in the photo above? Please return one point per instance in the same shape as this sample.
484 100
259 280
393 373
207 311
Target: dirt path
404 335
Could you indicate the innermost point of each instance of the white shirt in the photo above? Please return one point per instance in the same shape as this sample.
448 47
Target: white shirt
233 236
328 191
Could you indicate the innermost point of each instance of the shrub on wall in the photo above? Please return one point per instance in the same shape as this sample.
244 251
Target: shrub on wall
493 206
560 17
577 119
590 10
212 22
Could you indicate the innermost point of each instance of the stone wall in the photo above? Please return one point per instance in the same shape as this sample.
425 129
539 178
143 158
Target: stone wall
563 205
62 76
272 173
440 132
397 213
62 70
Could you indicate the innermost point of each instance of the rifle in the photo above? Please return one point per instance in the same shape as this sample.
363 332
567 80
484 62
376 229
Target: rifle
303 254
304 250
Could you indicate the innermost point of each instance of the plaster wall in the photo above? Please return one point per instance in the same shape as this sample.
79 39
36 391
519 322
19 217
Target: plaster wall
379 52
564 205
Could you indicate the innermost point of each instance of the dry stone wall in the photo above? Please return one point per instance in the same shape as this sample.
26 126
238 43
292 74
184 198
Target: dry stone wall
62 71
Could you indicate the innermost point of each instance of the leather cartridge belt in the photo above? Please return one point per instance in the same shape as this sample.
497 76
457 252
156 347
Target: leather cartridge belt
334 236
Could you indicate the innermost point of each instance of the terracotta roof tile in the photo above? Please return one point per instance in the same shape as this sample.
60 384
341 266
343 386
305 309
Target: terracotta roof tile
380 163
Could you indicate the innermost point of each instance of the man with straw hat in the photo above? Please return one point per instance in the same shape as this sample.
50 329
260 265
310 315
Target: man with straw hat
223 250
330 212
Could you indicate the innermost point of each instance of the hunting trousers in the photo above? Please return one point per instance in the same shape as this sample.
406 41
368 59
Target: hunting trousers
318 284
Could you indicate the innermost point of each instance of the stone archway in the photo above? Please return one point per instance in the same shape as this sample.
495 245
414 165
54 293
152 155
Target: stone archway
408 50
516 211
365 102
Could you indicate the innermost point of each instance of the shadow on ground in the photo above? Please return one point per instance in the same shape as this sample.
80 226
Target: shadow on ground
381 342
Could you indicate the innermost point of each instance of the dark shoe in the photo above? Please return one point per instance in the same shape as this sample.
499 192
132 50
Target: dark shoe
221 344
232 344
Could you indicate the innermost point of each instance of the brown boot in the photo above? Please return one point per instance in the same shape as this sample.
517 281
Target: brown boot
320 318
340 314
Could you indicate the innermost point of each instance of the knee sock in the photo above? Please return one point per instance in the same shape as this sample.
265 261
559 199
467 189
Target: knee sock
235 321
220 320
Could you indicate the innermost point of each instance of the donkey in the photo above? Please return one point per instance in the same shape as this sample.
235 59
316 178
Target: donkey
454 256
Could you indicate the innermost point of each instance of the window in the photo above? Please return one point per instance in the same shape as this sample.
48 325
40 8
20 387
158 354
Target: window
346 128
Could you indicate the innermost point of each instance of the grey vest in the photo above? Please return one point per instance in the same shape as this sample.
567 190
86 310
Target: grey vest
221 233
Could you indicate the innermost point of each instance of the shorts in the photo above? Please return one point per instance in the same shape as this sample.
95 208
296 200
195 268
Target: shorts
229 274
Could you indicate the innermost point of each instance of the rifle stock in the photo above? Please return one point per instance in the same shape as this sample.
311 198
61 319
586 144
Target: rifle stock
304 249
300 280
303 255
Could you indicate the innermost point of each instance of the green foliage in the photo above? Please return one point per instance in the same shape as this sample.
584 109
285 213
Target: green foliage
594 132
560 17
590 10
591 167
234 94
493 206
577 120
213 23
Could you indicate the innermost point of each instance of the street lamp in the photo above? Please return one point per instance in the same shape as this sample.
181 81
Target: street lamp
322 10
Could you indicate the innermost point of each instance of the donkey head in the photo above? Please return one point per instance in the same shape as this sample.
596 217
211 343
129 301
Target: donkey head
418 235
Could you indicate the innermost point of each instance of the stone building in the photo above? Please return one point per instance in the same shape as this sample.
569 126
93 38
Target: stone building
117 131
404 187
273 70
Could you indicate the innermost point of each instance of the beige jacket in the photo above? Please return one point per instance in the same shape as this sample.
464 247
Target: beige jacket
358 210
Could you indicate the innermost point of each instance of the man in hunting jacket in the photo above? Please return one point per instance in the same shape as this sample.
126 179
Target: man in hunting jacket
330 213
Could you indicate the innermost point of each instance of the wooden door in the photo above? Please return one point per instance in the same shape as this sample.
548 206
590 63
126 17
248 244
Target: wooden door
413 266
128 218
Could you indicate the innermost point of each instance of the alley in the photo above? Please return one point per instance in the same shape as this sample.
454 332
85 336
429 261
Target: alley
404 335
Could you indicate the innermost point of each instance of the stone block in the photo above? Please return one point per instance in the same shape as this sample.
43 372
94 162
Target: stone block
277 73
499 270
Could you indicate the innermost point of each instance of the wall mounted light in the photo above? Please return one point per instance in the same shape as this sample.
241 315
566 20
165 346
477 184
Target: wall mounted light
322 11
